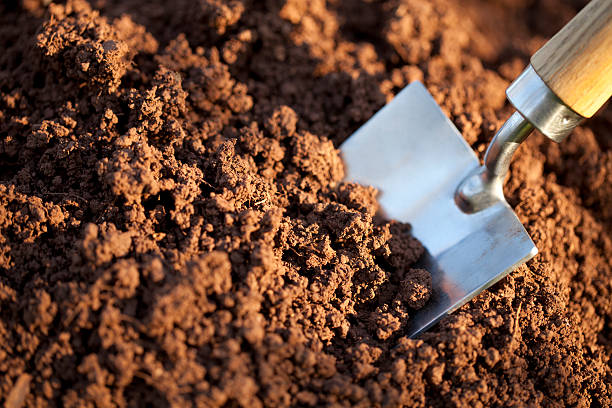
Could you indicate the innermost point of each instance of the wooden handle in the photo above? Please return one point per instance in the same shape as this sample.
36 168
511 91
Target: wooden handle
576 63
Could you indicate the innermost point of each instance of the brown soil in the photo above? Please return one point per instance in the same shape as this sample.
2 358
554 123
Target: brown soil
174 230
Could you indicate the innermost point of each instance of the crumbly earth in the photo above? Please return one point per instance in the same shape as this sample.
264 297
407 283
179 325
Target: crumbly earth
174 229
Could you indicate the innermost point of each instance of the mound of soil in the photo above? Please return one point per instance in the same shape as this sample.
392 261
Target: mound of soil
174 229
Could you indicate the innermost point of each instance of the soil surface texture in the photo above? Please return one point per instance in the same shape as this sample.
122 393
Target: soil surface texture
174 229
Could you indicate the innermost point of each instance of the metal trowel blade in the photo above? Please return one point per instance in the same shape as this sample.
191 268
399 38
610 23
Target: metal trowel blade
416 158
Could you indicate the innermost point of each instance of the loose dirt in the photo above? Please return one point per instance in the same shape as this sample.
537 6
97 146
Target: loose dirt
174 229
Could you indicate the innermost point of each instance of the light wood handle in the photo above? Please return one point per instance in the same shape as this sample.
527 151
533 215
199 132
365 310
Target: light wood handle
576 63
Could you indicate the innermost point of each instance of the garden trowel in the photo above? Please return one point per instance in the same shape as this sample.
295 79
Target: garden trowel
428 176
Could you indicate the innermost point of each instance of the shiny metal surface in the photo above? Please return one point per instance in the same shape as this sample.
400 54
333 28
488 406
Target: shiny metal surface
504 144
416 158
484 187
540 106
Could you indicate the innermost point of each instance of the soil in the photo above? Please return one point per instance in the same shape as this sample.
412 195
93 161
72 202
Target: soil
174 229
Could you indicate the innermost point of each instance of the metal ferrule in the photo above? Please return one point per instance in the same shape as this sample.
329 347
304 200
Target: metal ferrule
541 107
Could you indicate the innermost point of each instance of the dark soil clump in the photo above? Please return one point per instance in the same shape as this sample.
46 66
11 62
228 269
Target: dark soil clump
175 231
